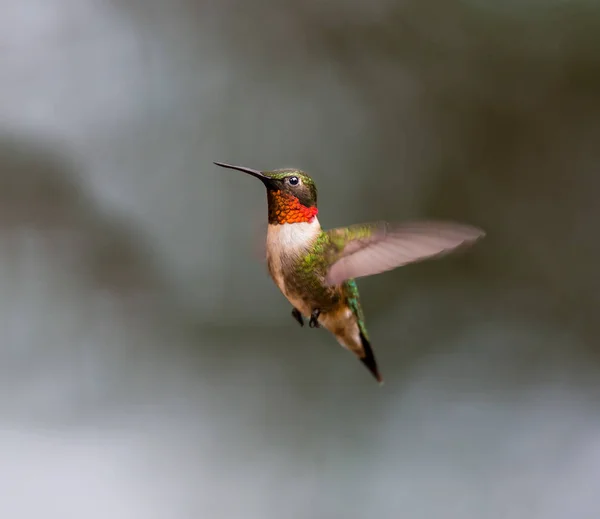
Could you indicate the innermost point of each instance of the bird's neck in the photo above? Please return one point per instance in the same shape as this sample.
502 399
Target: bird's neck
287 209
292 238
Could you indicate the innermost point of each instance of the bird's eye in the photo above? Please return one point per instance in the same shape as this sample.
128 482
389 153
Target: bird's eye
294 181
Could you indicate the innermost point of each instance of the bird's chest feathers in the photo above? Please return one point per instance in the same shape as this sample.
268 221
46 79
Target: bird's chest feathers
286 243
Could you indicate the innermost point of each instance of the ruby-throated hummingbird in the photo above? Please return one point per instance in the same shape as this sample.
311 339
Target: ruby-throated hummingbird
315 269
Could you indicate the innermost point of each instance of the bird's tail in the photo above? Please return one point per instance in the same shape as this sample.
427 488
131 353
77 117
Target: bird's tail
368 358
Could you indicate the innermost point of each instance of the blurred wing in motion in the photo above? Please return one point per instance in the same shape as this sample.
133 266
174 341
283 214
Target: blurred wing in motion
367 249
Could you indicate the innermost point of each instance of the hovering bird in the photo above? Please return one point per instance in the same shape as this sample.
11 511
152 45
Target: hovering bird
316 269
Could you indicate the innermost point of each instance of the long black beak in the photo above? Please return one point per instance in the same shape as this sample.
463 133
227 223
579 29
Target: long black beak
253 172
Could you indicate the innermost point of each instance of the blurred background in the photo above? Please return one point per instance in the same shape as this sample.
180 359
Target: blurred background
149 368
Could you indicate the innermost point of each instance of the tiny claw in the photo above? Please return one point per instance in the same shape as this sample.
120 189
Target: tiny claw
314 323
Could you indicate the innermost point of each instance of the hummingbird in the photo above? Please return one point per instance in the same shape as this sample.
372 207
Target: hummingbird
316 269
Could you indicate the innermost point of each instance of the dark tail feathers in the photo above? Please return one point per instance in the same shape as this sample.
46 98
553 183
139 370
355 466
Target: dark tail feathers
369 359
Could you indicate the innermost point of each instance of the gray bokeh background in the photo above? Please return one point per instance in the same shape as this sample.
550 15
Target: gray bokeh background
148 366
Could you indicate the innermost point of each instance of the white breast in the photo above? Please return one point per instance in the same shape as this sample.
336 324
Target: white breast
293 236
286 239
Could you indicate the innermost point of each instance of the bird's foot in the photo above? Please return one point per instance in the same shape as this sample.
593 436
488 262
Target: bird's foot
298 316
314 323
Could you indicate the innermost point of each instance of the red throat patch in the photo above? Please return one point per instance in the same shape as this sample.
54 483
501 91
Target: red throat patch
286 208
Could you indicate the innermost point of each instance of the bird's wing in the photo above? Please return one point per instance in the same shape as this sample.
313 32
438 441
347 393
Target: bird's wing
366 249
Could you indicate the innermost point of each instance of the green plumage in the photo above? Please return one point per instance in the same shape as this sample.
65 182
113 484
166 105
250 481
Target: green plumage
305 276
354 304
